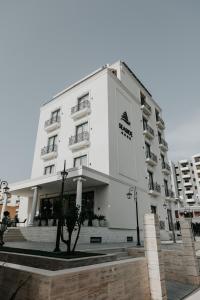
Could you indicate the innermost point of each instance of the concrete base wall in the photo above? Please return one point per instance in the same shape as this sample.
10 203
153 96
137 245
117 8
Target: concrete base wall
48 234
121 280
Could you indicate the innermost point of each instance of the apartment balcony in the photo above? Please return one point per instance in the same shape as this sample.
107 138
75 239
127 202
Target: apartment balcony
148 132
198 171
49 152
163 145
190 201
186 176
154 189
185 169
188 183
146 108
160 123
190 192
166 168
52 124
80 110
151 158
169 195
79 141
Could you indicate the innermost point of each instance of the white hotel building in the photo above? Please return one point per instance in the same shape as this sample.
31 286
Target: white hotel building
109 130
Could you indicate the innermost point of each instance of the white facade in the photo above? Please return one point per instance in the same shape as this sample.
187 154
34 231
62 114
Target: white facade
186 184
109 130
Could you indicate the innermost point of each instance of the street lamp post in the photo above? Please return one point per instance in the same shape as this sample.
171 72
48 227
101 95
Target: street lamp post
129 196
5 191
165 205
64 174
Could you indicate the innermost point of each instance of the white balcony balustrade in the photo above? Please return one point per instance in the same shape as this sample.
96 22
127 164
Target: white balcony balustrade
163 145
166 168
151 158
79 141
49 152
52 124
146 108
154 189
148 132
160 123
80 110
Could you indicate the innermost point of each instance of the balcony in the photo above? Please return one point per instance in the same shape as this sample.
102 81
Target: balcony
190 201
166 168
186 168
151 158
79 141
188 183
148 132
198 170
49 152
160 123
80 110
169 194
189 192
163 144
185 176
154 189
146 108
52 124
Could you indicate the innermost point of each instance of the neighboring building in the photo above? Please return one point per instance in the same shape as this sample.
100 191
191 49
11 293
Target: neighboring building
186 185
110 131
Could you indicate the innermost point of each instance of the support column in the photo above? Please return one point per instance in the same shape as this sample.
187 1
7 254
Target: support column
154 257
34 205
189 254
79 189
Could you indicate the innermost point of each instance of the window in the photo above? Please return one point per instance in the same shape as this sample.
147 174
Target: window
52 143
82 99
162 159
151 185
80 129
142 98
166 188
49 169
153 209
159 137
55 115
145 124
80 161
148 149
157 114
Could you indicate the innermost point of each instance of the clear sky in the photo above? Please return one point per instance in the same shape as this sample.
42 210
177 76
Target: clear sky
45 45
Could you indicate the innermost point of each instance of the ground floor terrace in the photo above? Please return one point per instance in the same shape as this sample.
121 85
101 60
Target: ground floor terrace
109 214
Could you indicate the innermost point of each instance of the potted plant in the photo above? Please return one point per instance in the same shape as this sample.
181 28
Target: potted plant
101 220
95 221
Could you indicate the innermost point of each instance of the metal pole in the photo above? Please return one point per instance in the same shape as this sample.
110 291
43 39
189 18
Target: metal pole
138 229
60 212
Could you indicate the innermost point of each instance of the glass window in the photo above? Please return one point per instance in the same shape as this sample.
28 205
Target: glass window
81 128
151 185
80 161
153 209
83 98
55 115
166 188
52 143
145 124
49 169
148 149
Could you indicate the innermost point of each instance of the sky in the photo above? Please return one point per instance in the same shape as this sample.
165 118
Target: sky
45 45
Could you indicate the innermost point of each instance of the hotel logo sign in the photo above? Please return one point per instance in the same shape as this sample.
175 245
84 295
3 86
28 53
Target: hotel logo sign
124 129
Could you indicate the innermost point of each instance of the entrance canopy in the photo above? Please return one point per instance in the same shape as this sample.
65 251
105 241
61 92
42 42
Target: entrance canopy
51 184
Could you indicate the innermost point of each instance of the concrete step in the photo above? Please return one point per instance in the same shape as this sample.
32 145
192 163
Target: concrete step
13 235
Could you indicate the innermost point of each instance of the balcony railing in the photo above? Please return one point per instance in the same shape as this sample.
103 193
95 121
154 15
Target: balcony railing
160 122
82 138
49 149
151 156
163 144
148 131
169 194
52 121
80 109
154 186
166 167
146 108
